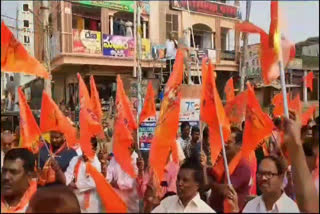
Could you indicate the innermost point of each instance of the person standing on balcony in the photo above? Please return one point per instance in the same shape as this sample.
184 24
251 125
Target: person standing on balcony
171 51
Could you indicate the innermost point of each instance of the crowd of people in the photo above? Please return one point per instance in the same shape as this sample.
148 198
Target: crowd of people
283 177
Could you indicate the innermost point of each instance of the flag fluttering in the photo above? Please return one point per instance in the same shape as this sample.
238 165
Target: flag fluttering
277 101
15 58
270 45
213 114
258 126
229 90
109 198
52 119
89 122
123 125
309 81
29 129
149 107
95 100
307 115
164 139
236 108
126 105
295 105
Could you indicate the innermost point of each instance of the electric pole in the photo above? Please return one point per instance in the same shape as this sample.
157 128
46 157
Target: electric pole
45 21
245 47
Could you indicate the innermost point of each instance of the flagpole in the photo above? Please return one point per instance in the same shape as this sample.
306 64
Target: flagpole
283 81
224 156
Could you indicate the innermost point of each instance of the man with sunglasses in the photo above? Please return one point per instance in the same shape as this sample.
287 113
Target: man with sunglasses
270 177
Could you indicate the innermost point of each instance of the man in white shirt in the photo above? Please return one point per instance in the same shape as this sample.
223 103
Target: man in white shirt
123 184
83 185
270 177
187 199
184 139
171 51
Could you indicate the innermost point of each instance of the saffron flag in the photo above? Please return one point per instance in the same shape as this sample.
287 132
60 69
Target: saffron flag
89 122
277 101
52 119
126 105
295 105
307 115
309 80
236 108
123 125
149 107
258 126
96 105
29 129
95 100
109 198
270 46
164 139
15 58
214 115
229 90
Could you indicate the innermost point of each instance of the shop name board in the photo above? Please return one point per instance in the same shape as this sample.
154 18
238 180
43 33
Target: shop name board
122 46
127 6
207 7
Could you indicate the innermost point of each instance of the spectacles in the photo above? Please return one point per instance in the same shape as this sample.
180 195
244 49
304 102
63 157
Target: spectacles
267 175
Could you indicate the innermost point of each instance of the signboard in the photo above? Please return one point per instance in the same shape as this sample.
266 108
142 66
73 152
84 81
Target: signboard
127 6
86 41
122 46
208 7
190 111
146 133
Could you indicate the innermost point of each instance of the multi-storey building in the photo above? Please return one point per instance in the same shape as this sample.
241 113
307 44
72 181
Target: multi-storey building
96 37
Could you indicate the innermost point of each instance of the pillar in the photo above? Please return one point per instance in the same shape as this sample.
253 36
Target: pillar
144 29
305 91
111 24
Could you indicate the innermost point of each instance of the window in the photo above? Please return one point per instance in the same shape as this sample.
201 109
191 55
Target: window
25 7
26 39
171 24
25 23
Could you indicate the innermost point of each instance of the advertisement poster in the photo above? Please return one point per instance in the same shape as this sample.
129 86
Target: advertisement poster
86 41
122 46
146 132
127 6
190 111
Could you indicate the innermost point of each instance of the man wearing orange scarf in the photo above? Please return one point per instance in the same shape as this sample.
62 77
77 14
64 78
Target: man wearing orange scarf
17 182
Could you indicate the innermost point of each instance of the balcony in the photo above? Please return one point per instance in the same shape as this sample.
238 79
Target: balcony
96 48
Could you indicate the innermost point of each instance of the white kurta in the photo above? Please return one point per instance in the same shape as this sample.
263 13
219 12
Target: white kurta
127 185
84 184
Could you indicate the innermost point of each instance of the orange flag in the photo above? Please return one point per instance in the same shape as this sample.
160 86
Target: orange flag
124 124
110 199
52 119
309 80
29 129
229 90
214 115
126 107
89 123
307 115
15 58
236 108
277 101
164 138
96 105
295 105
270 45
149 107
258 126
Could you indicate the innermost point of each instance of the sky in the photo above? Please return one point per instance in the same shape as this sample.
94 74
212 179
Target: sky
300 18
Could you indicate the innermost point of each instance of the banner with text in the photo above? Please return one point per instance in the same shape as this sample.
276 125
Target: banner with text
86 41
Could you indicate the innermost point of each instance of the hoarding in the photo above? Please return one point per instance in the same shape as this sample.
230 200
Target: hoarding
86 41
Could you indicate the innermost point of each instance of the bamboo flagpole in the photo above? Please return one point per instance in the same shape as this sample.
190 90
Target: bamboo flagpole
224 157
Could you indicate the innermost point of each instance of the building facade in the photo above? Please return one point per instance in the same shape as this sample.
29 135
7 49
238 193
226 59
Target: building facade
97 37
